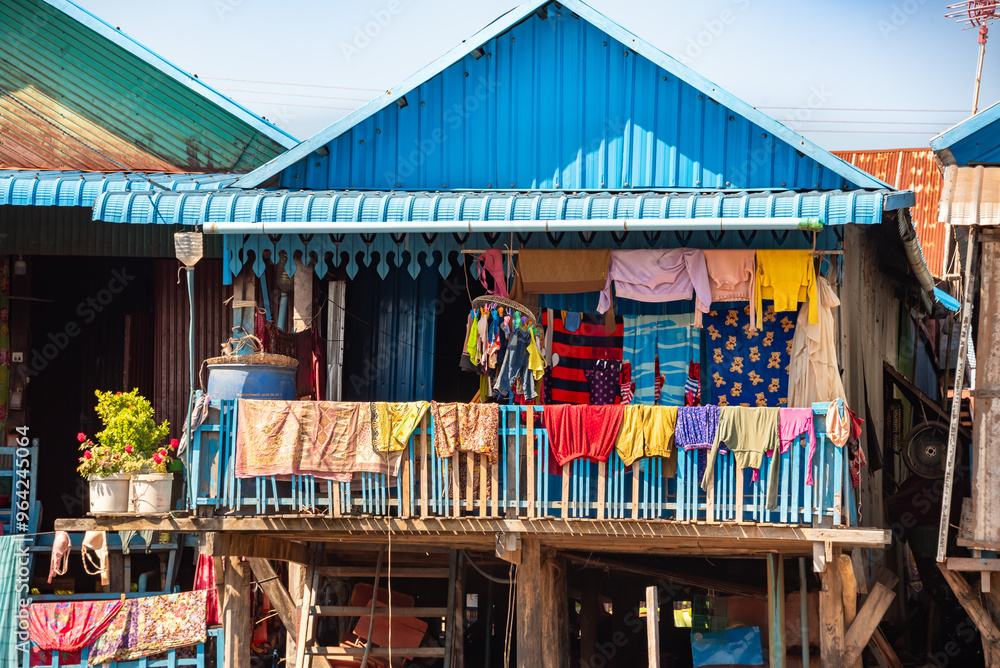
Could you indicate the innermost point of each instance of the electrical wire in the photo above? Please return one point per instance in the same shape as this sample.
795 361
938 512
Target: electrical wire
287 83
491 578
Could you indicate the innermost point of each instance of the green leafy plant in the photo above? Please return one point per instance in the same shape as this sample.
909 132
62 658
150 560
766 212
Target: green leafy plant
130 441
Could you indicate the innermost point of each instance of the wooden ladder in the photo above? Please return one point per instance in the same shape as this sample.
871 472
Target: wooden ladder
306 645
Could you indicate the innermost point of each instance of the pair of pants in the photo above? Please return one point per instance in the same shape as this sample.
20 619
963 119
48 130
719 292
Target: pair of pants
675 340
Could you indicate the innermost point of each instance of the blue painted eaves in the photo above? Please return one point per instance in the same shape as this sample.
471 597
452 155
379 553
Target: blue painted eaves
24 187
116 36
851 174
976 139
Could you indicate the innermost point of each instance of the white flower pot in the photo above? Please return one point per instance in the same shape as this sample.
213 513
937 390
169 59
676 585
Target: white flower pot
109 494
151 492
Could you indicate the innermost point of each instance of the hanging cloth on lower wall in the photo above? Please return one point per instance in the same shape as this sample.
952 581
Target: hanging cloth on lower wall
69 626
576 352
152 625
466 428
648 431
748 433
670 340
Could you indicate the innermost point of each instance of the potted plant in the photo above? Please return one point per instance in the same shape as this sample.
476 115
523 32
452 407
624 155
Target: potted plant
151 486
129 444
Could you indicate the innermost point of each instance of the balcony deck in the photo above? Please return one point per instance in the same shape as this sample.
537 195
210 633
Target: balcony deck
436 499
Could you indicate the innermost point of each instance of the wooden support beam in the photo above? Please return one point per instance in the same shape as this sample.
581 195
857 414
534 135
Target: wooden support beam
261 547
979 615
653 627
849 591
831 616
302 297
776 645
296 586
542 608
236 614
866 622
591 612
458 614
972 564
508 547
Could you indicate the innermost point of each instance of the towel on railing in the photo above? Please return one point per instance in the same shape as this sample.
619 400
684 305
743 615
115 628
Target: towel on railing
325 439
648 431
69 626
583 431
394 421
748 433
466 427
151 625
793 422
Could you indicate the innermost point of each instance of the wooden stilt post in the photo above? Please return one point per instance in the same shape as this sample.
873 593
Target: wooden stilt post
589 615
776 609
849 591
804 611
542 608
296 585
236 614
831 614
653 627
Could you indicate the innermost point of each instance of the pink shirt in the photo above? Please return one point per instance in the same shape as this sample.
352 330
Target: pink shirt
791 423
659 276
731 274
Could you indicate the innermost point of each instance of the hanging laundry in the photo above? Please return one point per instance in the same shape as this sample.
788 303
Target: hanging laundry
747 366
787 277
94 551
696 427
692 386
491 263
69 626
536 361
576 353
59 561
605 385
470 357
669 340
204 580
838 423
792 423
659 276
813 373
152 625
126 536
647 431
394 421
748 433
582 431
515 364
732 276
561 271
628 387
466 427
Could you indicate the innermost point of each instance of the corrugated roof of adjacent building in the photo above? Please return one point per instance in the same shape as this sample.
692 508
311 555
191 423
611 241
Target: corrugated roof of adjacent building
26 187
558 96
974 140
912 169
76 93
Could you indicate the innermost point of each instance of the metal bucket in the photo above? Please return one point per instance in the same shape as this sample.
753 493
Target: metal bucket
251 381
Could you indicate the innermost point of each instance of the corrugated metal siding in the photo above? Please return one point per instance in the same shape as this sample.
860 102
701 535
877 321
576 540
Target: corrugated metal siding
911 169
51 230
557 103
212 327
73 99
29 187
974 140
834 208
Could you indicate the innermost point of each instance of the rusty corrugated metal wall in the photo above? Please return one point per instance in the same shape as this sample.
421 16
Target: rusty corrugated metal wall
911 169
212 326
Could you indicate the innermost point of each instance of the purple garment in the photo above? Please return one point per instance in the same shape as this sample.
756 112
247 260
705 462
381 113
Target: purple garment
659 276
695 430
605 382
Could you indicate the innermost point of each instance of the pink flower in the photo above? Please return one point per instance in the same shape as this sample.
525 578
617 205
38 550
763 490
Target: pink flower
128 449
174 443
157 458
81 437
87 454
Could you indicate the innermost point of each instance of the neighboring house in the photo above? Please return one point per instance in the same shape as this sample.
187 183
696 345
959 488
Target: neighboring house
969 154
552 128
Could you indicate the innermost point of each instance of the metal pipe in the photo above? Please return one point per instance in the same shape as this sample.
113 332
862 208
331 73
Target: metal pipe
189 271
979 71
804 611
466 226
143 584
911 244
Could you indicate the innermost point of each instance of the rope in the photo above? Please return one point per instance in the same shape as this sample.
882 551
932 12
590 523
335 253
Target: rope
510 617
371 617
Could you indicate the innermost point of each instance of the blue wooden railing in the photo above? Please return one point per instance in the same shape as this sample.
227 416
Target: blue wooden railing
522 482
210 653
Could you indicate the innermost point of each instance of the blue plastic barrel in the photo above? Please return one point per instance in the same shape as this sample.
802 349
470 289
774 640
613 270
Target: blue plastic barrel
251 381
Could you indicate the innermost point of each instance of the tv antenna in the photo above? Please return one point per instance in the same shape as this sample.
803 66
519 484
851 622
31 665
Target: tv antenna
976 14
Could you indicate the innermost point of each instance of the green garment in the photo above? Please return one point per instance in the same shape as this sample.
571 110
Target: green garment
748 433
470 343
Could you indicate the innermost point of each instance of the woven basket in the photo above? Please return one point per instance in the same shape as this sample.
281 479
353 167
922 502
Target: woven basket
506 303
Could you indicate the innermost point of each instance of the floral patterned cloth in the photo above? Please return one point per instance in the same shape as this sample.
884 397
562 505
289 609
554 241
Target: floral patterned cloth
69 626
468 427
393 422
148 626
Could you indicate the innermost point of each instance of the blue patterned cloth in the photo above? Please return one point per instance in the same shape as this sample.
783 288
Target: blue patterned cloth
747 367
696 426
675 340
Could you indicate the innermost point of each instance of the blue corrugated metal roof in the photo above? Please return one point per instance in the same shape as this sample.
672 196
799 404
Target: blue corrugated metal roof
75 188
833 208
571 101
976 139
947 300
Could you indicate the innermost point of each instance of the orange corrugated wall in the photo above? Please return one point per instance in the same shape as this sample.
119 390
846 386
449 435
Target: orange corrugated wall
911 169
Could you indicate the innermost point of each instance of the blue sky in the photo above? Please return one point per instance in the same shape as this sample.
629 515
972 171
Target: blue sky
889 74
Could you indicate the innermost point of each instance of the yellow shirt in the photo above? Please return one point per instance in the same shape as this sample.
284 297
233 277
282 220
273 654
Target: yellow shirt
646 431
535 360
787 277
